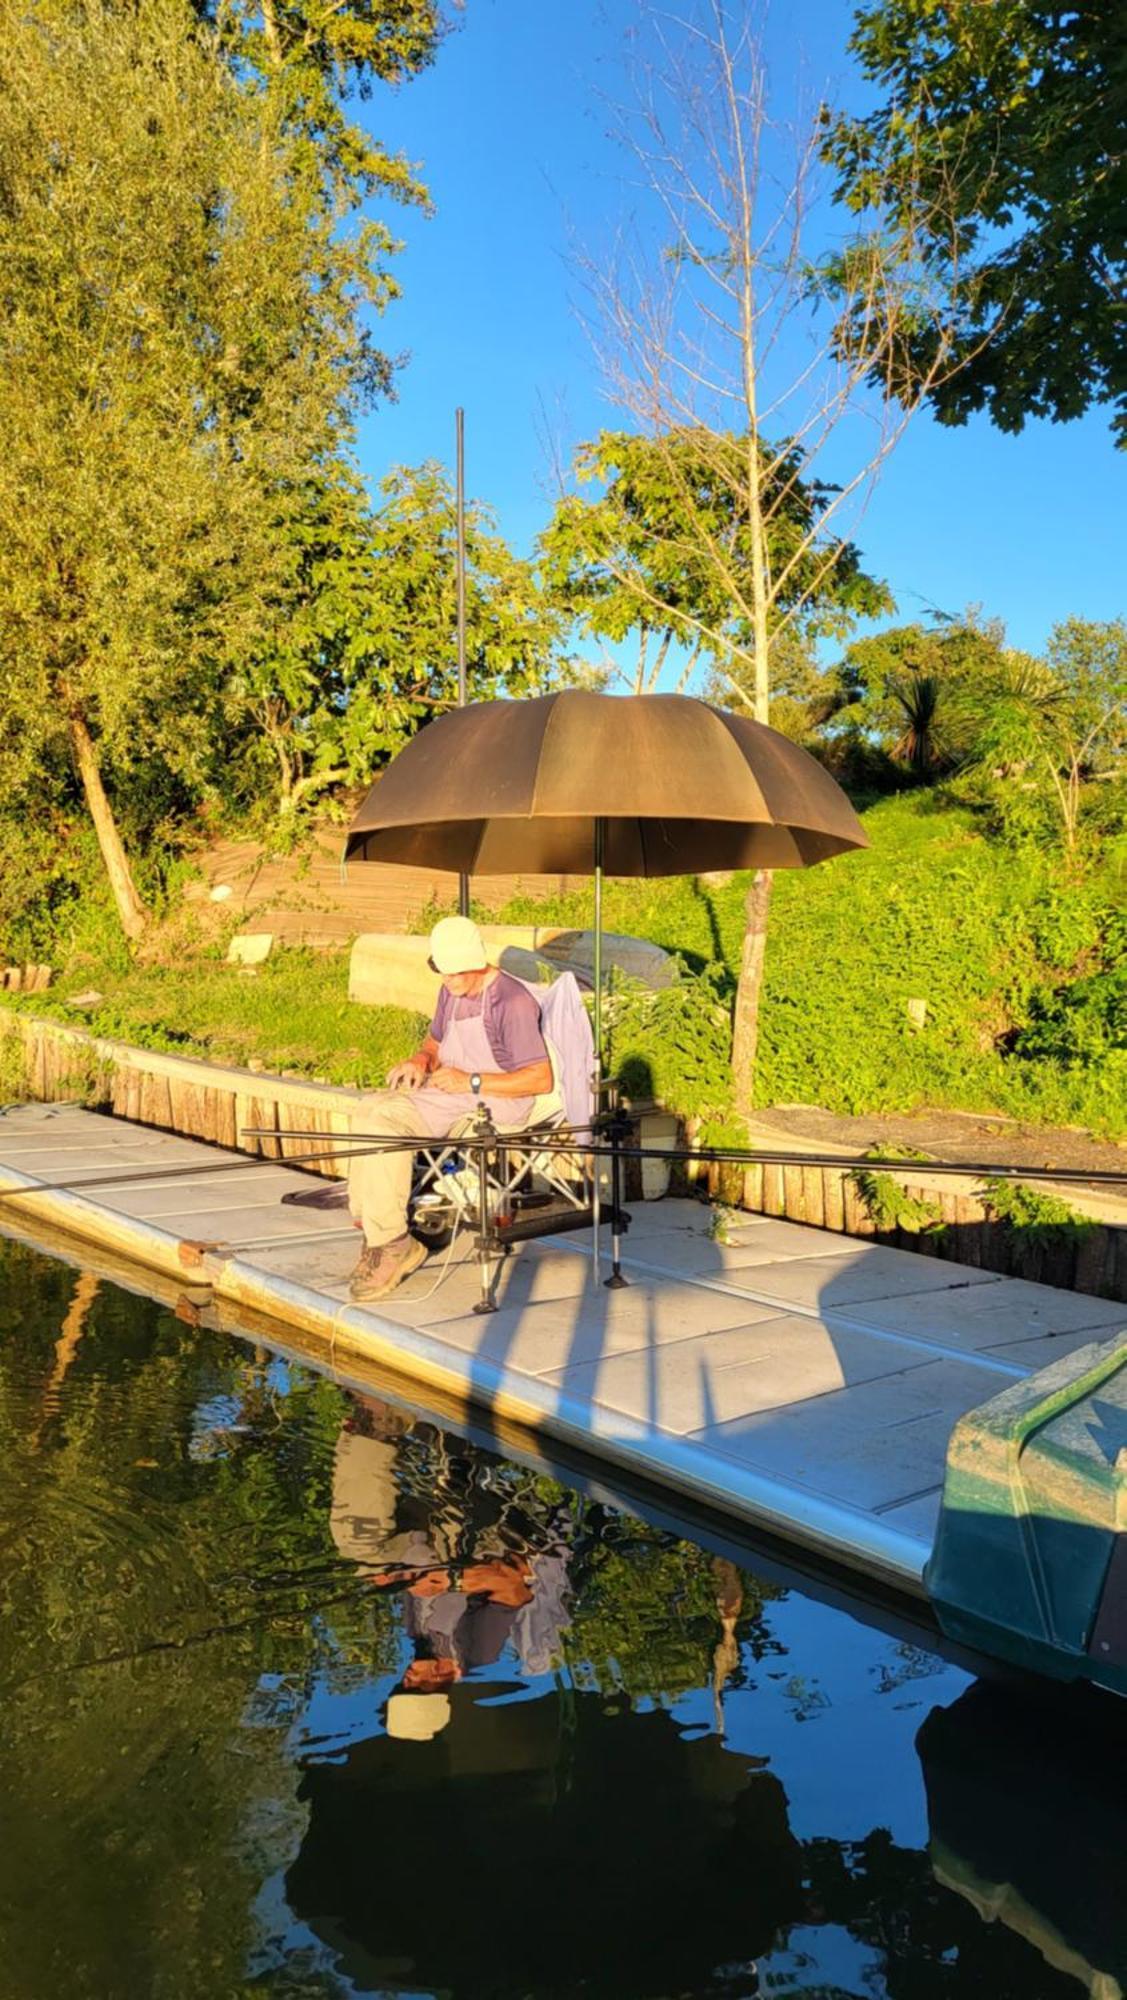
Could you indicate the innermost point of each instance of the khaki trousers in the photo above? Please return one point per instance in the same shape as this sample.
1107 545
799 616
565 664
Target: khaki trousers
379 1183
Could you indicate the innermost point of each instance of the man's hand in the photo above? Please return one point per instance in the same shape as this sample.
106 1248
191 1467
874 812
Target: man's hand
444 1078
431 1583
502 1581
409 1075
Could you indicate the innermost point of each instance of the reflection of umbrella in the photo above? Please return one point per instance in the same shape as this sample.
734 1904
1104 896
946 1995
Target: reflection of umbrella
654 784
552 1845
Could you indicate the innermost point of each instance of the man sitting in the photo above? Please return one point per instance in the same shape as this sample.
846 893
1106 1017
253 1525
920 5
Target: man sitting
485 1042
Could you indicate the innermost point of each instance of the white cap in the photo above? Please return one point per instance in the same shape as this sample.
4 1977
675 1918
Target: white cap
456 945
417 1718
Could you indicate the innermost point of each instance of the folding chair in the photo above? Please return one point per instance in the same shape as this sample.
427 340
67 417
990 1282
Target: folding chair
512 1188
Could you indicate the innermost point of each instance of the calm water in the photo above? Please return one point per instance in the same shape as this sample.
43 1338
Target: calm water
303 1695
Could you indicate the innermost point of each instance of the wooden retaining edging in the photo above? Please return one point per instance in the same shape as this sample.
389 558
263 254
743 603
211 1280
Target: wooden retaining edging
216 1102
1091 1257
182 1094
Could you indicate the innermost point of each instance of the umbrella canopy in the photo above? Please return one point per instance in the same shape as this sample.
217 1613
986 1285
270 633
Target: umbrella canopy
665 784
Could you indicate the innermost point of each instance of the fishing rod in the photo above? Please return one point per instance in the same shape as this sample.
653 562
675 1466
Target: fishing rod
745 1156
342 1147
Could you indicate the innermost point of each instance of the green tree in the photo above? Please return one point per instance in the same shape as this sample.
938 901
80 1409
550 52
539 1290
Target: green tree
910 689
360 647
310 57
665 552
1044 732
179 349
1001 137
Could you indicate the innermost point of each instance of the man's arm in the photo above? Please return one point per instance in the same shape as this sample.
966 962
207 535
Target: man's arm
522 1067
532 1079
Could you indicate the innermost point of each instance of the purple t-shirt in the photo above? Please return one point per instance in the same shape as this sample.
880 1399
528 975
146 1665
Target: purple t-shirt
511 1018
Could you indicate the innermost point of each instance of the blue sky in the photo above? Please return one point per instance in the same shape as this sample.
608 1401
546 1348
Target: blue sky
510 129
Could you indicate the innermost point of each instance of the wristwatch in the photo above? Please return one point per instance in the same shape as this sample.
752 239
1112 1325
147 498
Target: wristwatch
475 1084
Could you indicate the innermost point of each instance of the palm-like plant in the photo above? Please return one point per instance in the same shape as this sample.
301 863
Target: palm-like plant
1023 728
922 744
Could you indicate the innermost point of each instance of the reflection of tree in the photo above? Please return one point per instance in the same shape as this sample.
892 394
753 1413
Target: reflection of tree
142 1594
726 1653
66 1347
647 1621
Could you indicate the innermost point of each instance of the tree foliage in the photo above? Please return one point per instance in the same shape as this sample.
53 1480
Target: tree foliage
907 690
1044 735
181 361
360 646
1002 130
665 551
309 57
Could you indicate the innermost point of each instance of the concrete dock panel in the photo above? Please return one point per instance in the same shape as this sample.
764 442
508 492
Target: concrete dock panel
796 1378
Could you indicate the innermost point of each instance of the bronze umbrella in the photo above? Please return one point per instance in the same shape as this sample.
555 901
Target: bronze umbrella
652 784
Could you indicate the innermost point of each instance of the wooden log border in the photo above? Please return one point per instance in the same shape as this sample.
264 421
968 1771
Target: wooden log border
828 1198
178 1093
215 1103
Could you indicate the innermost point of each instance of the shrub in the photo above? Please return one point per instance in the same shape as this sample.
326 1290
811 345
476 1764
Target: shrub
673 1045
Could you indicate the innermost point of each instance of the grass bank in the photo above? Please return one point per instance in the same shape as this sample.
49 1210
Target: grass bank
293 1015
1023 979
1023 975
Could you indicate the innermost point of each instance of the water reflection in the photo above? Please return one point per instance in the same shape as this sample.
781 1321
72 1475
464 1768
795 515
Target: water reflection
480 1565
540 1818
548 1846
1005 1779
305 1695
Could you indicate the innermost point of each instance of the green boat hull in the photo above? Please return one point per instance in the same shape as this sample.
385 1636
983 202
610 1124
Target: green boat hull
1030 1556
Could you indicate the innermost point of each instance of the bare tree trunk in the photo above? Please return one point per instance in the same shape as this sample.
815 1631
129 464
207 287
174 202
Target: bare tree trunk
131 910
753 951
745 1024
714 286
313 781
270 31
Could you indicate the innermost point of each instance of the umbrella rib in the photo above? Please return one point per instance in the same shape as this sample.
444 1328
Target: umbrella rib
534 800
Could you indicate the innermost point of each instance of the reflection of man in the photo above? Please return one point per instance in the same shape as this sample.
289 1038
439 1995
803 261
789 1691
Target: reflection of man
458 1620
485 1042
477 1571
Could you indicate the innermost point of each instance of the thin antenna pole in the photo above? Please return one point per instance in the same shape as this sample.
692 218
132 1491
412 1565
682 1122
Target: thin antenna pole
460 483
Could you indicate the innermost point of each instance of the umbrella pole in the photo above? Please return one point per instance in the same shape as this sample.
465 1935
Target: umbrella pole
600 847
600 844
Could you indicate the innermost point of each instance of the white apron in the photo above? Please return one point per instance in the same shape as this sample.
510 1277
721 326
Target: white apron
465 1045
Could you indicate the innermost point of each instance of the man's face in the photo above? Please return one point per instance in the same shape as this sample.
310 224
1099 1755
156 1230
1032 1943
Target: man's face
460 984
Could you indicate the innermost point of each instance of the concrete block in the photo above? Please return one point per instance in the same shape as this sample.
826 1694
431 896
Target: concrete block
388 970
250 948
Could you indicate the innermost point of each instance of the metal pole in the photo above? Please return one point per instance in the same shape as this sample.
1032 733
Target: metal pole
616 1282
600 848
484 1129
600 851
460 572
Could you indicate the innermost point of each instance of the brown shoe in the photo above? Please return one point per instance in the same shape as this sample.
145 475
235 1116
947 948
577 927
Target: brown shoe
380 1271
